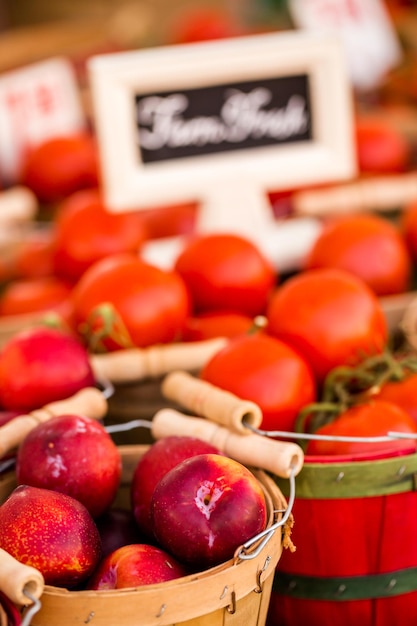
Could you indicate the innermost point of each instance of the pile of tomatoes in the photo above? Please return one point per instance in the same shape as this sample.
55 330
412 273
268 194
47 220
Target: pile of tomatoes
82 268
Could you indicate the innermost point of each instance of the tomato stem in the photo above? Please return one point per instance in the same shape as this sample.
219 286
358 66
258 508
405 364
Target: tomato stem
259 323
347 386
104 329
54 320
315 413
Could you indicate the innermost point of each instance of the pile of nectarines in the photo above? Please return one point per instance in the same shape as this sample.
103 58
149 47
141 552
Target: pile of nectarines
191 508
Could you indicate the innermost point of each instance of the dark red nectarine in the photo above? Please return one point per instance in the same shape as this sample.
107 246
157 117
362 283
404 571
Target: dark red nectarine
205 508
72 454
162 456
135 565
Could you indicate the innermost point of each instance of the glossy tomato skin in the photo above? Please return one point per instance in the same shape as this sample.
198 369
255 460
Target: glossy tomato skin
61 165
216 324
266 371
367 246
380 147
86 231
36 294
401 392
152 303
226 271
330 316
370 419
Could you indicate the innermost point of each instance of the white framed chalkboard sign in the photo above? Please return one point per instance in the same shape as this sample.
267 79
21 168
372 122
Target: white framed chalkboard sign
222 122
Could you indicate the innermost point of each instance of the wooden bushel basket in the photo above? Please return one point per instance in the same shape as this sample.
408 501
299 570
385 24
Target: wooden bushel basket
235 592
356 537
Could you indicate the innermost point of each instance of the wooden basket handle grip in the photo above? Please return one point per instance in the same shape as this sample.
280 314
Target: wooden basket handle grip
379 193
279 457
17 204
88 401
207 400
15 578
134 364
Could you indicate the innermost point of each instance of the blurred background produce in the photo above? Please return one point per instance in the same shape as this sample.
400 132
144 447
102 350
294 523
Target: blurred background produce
68 227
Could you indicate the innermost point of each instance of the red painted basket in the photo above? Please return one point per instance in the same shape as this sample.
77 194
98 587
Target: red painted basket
356 538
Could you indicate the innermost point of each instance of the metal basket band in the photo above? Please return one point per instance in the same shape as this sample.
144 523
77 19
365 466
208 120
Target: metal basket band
343 588
356 479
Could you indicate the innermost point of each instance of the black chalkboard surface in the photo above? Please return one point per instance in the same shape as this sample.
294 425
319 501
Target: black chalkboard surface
193 122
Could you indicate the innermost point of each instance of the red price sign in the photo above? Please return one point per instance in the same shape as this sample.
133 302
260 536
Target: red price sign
36 102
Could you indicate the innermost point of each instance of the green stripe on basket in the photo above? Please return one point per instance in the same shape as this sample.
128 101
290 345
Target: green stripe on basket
341 589
355 479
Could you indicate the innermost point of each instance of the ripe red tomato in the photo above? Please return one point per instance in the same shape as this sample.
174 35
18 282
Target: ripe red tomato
380 147
368 246
370 419
216 324
150 304
402 393
35 294
85 231
266 371
330 316
59 166
226 272
34 255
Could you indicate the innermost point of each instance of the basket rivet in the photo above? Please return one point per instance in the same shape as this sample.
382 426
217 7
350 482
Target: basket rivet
401 470
341 589
89 618
161 610
292 585
340 476
391 583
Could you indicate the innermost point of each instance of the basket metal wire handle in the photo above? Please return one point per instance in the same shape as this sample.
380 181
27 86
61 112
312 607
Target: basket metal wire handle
389 436
22 584
277 457
266 534
32 610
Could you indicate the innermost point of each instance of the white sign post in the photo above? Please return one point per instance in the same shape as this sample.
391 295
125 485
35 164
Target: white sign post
222 123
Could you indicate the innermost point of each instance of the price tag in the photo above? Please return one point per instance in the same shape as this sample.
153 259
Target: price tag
364 27
221 123
36 102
